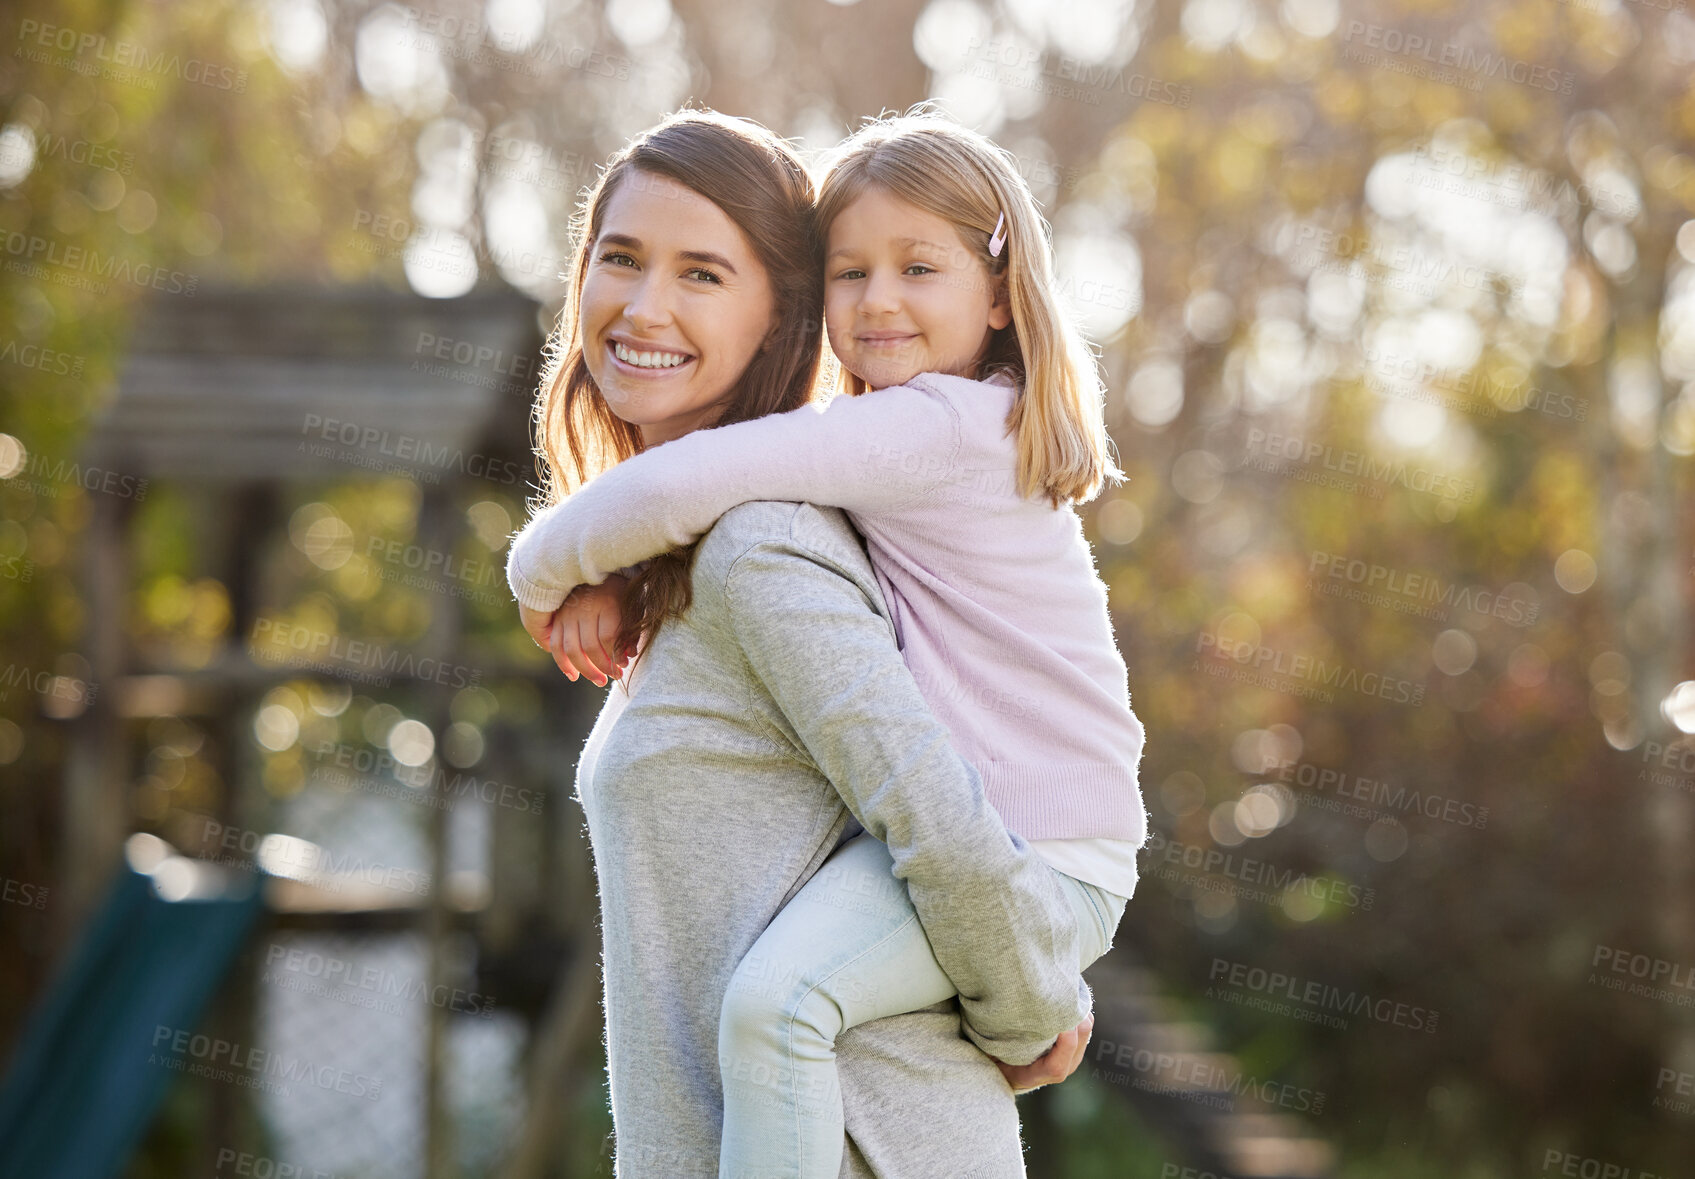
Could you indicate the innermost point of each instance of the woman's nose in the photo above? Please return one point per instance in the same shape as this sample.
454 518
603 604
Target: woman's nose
647 306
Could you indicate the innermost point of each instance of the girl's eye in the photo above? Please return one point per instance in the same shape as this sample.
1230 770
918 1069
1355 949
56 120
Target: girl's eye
704 275
920 268
611 256
851 274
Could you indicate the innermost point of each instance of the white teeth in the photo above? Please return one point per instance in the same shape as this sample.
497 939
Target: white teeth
648 359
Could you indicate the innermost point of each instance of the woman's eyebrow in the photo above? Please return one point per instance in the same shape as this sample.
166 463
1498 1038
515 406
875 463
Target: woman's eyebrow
706 257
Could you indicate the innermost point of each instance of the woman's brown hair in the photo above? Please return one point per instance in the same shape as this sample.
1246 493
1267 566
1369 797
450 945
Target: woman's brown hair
762 186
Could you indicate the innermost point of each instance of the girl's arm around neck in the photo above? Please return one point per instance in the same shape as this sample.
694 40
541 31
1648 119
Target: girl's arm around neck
870 454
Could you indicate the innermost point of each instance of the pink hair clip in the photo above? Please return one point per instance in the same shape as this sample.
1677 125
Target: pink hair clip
998 238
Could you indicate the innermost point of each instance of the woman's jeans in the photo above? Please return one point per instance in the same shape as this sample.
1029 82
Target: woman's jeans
847 949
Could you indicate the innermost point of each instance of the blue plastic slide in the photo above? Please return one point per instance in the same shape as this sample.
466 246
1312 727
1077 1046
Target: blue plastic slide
90 1067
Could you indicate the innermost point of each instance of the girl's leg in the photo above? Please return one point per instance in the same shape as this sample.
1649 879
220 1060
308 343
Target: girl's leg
1098 914
846 949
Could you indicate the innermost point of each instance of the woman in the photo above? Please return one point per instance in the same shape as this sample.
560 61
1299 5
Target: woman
770 701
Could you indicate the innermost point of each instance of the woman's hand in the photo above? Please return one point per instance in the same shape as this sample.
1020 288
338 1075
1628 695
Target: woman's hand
1060 1061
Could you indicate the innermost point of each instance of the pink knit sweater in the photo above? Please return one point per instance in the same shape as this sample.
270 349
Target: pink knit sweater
998 610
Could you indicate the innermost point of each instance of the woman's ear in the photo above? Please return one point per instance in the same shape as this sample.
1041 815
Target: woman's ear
1000 311
771 334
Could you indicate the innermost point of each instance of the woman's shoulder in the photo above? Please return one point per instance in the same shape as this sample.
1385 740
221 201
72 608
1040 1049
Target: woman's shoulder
807 532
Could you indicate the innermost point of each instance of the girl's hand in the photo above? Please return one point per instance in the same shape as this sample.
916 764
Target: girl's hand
581 632
1059 1062
537 624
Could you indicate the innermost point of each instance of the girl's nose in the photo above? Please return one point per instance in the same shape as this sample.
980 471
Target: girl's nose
880 295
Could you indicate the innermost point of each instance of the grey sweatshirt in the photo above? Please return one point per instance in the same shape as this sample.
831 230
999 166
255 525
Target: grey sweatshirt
717 786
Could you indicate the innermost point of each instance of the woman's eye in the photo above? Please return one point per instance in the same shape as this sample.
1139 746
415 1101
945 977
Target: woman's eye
704 275
612 256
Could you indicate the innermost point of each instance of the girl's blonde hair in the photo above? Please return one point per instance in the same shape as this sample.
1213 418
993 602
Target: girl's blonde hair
930 161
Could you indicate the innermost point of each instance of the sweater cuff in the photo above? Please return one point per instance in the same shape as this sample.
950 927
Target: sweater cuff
532 594
1015 1050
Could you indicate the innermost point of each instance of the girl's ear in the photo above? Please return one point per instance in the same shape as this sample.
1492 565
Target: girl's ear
1000 311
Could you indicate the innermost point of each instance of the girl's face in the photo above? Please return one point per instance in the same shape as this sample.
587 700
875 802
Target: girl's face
903 295
674 307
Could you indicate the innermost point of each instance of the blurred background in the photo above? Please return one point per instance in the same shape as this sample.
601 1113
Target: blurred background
1397 305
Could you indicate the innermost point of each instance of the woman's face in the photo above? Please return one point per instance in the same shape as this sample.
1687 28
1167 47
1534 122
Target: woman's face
675 306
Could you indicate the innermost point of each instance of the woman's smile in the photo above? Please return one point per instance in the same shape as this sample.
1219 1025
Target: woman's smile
645 359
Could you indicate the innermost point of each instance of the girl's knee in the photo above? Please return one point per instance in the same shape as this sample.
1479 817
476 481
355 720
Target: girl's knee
765 1020
751 1014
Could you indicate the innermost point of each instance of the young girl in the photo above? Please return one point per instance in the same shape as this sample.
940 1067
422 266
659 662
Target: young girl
971 422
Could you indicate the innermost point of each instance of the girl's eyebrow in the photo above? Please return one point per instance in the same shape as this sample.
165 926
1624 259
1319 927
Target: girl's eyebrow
702 256
924 242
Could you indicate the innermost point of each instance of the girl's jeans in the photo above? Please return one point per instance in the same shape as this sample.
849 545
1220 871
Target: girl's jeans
847 949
